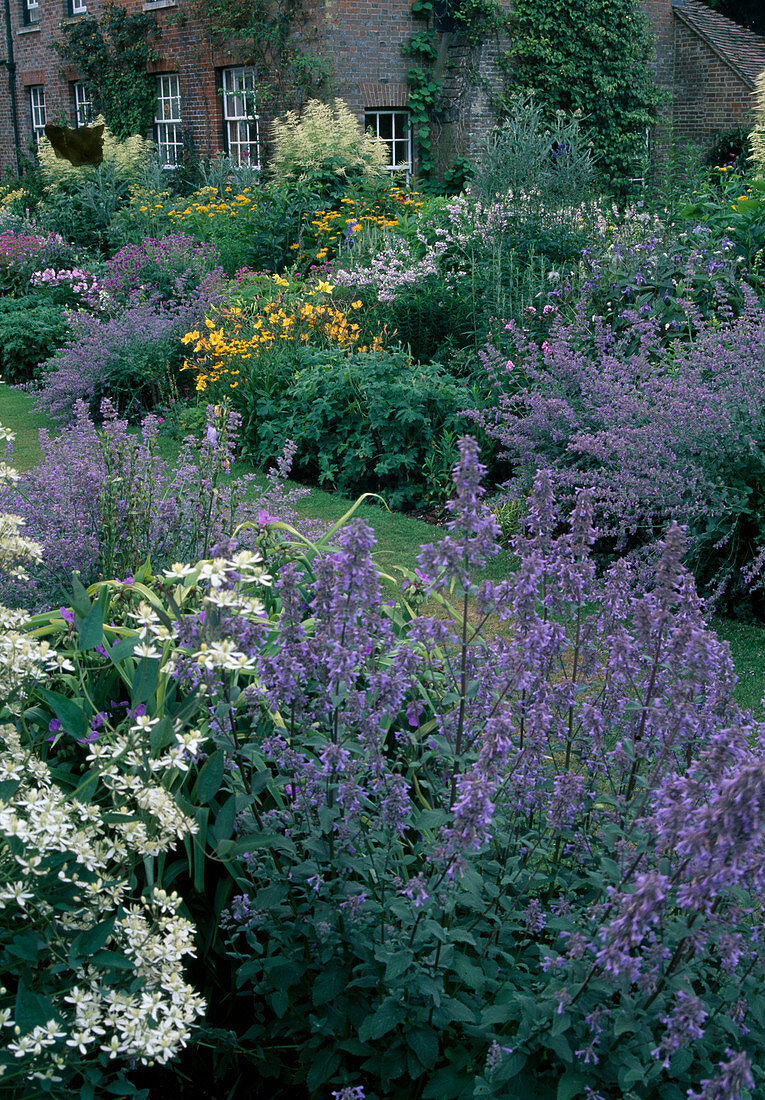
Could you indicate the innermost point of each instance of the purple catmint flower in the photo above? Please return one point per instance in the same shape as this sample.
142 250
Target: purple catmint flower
734 1077
416 890
684 1024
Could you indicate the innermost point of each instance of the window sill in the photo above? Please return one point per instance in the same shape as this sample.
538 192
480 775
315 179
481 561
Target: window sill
32 28
153 5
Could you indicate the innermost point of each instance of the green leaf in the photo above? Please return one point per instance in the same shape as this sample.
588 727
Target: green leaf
431 819
571 1084
210 777
26 946
124 648
330 982
424 1043
383 1020
144 680
223 826
32 1010
88 943
458 1011
70 714
446 1084
162 736
80 598
114 960
398 964
471 975
91 628
323 1064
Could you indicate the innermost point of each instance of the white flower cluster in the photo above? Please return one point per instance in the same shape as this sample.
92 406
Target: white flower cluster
24 658
225 581
50 840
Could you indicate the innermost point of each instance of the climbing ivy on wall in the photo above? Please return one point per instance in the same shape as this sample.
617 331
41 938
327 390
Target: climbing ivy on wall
473 21
112 54
264 30
590 56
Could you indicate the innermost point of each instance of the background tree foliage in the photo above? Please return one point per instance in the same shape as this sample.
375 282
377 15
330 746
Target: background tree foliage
749 13
589 57
112 55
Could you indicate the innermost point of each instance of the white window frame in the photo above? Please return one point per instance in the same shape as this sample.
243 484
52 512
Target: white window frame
78 7
399 144
240 120
83 104
31 12
167 120
37 111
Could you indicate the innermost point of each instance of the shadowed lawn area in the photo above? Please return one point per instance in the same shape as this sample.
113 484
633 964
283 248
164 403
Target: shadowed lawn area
17 413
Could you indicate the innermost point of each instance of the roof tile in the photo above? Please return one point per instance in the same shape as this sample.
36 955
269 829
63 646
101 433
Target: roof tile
742 49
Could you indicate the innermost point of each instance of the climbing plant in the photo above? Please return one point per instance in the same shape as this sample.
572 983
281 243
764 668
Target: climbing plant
473 21
265 33
112 54
589 57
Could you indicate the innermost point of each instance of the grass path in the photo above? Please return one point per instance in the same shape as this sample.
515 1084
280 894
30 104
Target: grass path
399 538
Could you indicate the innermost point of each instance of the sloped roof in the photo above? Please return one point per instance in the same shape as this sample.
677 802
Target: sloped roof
742 50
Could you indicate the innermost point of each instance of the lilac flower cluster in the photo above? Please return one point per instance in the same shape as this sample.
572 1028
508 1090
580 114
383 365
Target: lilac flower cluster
102 502
93 361
167 268
82 284
652 437
24 251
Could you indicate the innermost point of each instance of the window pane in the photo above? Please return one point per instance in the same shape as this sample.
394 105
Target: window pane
392 128
37 110
240 116
167 121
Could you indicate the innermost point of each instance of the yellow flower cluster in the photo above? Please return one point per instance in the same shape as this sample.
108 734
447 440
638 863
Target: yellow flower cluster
160 212
209 202
331 229
222 351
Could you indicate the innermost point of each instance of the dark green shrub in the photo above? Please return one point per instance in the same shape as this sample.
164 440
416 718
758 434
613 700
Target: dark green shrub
365 421
30 332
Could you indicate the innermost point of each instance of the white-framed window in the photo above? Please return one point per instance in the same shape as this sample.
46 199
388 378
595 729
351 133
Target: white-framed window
77 7
167 121
83 104
393 127
30 12
240 117
37 111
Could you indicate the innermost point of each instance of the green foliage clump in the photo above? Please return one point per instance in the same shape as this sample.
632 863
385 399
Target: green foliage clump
31 330
365 421
113 55
82 210
325 146
589 58
284 69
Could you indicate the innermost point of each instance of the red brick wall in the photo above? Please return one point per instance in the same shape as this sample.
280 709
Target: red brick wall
708 95
361 41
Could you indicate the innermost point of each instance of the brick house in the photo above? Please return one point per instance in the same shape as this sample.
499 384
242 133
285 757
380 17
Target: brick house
206 92
706 64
